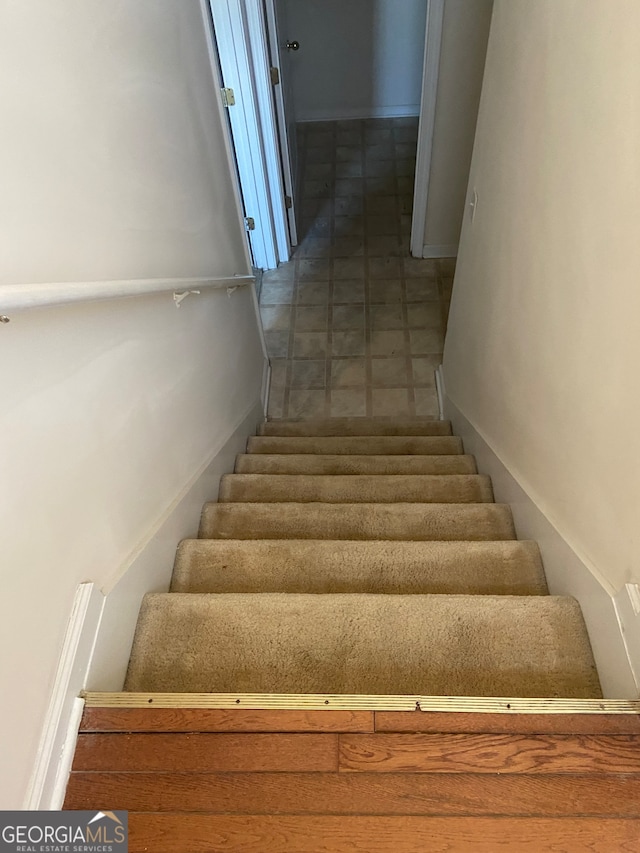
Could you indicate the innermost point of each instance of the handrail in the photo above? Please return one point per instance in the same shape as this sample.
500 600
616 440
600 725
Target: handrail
20 297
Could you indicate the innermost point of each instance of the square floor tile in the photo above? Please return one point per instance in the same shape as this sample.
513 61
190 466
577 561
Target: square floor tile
426 401
318 171
385 291
347 187
348 205
314 269
311 318
310 344
348 290
384 268
347 317
424 315
317 226
308 374
388 343
320 154
275 318
383 150
284 273
349 226
421 267
351 169
348 372
348 153
421 289
320 139
348 268
379 168
384 225
384 245
381 205
351 403
424 369
447 267
385 186
277 344
314 247
405 185
277 293
425 341
348 247
389 372
406 167
390 402
385 317
307 404
316 189
314 208
349 137
312 293
348 343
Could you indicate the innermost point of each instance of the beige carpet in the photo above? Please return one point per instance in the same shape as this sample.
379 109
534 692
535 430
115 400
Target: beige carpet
328 566
360 556
287 643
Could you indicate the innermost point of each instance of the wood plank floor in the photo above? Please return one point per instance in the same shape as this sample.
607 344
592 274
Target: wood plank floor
301 782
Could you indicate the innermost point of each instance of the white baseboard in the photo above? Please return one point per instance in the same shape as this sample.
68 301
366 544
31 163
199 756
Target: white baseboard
443 251
627 605
57 743
403 111
566 573
151 569
441 392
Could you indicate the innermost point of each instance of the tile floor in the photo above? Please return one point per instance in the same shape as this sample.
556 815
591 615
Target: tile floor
354 325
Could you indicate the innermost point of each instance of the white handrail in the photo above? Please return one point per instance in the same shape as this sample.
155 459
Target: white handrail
19 297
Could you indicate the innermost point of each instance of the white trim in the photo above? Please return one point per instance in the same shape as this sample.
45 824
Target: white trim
629 621
433 43
440 391
266 387
567 572
19 297
57 742
442 251
402 111
149 566
234 53
257 30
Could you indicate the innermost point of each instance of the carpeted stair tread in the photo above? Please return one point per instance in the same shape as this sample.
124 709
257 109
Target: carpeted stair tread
379 445
392 568
520 646
356 426
361 488
311 463
409 521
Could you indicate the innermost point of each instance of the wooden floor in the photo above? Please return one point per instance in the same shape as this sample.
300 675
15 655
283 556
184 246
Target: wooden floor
321 781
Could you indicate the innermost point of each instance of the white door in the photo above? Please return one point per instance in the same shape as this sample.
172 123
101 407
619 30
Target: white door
281 57
236 66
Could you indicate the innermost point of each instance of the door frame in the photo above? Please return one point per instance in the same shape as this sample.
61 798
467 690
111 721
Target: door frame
426 128
239 33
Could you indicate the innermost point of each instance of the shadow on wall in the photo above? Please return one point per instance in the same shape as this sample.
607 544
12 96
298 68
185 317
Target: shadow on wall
361 59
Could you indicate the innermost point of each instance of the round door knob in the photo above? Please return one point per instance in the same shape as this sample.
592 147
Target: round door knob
293 45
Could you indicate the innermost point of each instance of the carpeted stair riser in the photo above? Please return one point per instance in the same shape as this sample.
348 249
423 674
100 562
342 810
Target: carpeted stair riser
356 426
362 488
390 568
410 521
363 644
310 463
361 445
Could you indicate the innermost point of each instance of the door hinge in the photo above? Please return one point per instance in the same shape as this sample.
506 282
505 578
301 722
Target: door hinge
250 223
288 202
275 76
228 97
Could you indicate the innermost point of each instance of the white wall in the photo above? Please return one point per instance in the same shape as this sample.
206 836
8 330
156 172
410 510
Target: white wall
465 32
113 164
543 348
357 58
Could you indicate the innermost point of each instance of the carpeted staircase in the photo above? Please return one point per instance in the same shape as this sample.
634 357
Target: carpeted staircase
357 556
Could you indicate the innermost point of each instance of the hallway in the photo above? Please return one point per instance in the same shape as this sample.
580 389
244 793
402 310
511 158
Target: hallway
354 325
